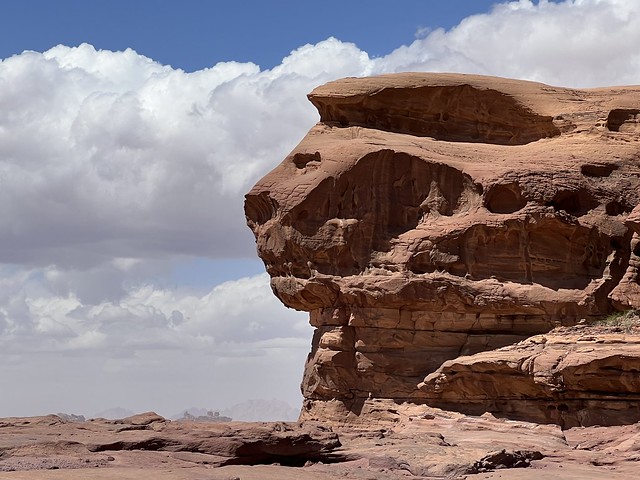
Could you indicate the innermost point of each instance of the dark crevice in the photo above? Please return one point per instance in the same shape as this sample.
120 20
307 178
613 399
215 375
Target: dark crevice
619 117
505 198
574 202
293 452
615 208
597 169
302 159
291 461
260 208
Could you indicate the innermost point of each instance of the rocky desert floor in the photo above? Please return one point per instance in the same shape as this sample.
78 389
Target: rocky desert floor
397 442
386 440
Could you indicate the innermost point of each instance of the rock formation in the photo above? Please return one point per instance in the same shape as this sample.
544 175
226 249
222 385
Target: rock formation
431 216
578 376
51 443
405 442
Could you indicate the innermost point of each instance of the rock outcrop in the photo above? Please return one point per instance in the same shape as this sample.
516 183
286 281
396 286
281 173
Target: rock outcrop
579 376
47 443
432 216
407 442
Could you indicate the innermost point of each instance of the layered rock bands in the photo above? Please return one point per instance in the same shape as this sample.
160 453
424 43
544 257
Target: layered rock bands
432 216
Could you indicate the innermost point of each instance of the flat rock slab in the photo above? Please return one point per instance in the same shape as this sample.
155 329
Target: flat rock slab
150 441
392 441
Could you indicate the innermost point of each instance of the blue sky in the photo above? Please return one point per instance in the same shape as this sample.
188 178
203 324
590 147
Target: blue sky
129 134
196 34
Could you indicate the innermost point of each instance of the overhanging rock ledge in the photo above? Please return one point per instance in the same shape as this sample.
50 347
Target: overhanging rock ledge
431 216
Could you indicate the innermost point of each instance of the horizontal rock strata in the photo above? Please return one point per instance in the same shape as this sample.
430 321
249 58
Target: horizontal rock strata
569 377
429 216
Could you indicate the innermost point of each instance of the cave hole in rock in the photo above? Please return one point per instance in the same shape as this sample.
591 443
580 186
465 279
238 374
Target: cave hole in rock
574 202
597 170
260 208
614 208
301 160
292 460
506 198
621 116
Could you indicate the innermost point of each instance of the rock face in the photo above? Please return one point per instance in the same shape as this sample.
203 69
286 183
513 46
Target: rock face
429 216
571 376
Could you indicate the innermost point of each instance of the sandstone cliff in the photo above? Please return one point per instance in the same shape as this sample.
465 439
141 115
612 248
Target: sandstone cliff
432 216
579 376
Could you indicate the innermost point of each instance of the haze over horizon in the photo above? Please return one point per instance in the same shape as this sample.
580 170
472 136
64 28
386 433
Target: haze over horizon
127 274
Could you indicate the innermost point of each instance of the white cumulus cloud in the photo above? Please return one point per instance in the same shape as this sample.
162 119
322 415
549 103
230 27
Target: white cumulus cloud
106 154
115 169
575 43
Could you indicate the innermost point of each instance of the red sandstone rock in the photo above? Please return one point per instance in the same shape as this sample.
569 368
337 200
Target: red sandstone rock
572 377
428 216
42 443
391 442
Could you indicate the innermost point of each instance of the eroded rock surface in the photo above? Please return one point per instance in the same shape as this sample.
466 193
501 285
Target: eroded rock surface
429 216
393 442
578 376
51 443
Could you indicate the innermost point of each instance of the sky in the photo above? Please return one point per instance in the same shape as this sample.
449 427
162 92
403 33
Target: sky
129 134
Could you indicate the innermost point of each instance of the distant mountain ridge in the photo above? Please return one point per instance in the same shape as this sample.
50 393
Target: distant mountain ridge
115 413
255 410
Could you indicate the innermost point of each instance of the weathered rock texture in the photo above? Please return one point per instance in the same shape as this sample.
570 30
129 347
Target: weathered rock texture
48 443
571 376
406 442
429 216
